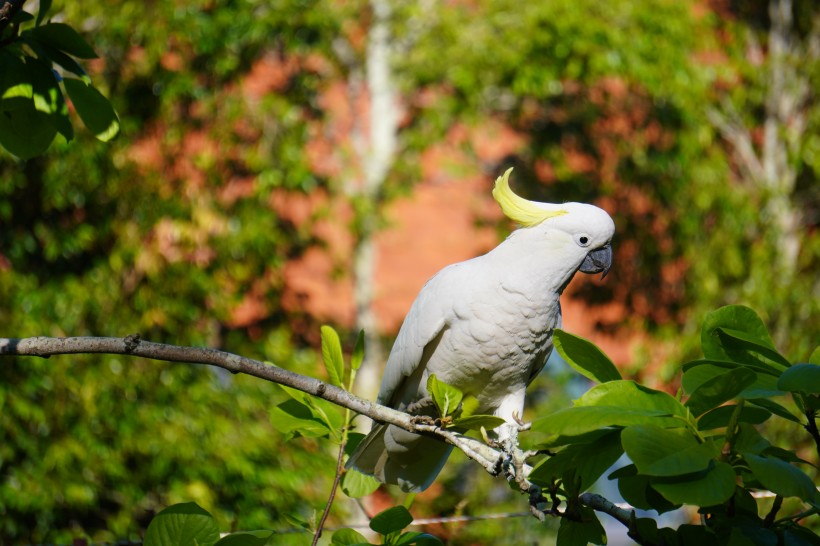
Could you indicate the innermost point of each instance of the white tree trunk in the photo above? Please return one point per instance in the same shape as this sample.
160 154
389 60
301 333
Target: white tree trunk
378 156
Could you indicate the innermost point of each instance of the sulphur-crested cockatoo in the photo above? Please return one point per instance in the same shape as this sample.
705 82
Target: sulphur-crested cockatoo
484 326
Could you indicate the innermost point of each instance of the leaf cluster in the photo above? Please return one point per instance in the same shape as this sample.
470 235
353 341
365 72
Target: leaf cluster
33 108
457 411
700 449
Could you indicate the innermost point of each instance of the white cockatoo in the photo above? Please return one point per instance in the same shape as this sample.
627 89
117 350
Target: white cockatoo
484 326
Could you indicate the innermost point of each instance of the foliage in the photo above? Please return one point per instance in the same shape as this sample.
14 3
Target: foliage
702 451
33 108
91 244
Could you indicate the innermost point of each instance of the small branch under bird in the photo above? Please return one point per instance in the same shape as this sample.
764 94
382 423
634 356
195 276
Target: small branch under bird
484 326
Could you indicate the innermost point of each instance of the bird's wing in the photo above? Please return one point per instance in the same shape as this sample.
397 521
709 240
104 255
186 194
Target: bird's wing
418 338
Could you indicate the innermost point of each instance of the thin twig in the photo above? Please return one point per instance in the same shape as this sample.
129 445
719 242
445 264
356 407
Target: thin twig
769 519
339 467
811 427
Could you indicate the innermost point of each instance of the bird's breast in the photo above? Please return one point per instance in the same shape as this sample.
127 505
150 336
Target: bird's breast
489 351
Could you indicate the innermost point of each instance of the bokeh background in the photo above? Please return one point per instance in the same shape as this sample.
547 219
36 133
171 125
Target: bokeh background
290 163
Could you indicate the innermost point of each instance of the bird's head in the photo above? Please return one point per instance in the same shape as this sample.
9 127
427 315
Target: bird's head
580 233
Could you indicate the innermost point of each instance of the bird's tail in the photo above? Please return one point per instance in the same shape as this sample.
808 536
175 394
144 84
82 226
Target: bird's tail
395 456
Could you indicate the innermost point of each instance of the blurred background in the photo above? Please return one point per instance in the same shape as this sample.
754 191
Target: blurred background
285 164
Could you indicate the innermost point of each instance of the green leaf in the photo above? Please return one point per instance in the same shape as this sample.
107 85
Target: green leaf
21 17
323 412
715 486
357 485
758 366
749 440
719 417
590 461
353 441
789 456
32 141
732 332
246 538
445 397
694 376
292 418
26 126
60 58
581 420
781 477
48 98
775 408
552 442
45 5
469 406
630 395
616 403
297 520
415 537
183 524
586 358
391 520
719 389
647 529
697 534
357 357
580 533
804 378
815 356
64 38
14 79
93 108
800 536
663 452
476 422
332 356
636 489
738 341
347 537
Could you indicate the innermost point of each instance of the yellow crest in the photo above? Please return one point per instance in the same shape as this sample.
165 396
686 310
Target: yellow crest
525 212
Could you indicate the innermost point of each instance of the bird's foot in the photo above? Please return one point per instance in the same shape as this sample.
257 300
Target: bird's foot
513 458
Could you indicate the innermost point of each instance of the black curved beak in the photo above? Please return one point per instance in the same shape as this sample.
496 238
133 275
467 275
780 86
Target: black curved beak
597 261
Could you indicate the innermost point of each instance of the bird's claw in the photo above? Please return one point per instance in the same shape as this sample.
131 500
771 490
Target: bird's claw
423 420
522 425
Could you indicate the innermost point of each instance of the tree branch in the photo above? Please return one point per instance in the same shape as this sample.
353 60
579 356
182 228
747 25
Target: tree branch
488 457
733 130
133 346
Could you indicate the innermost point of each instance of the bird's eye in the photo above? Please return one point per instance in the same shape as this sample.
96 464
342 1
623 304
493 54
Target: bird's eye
582 240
